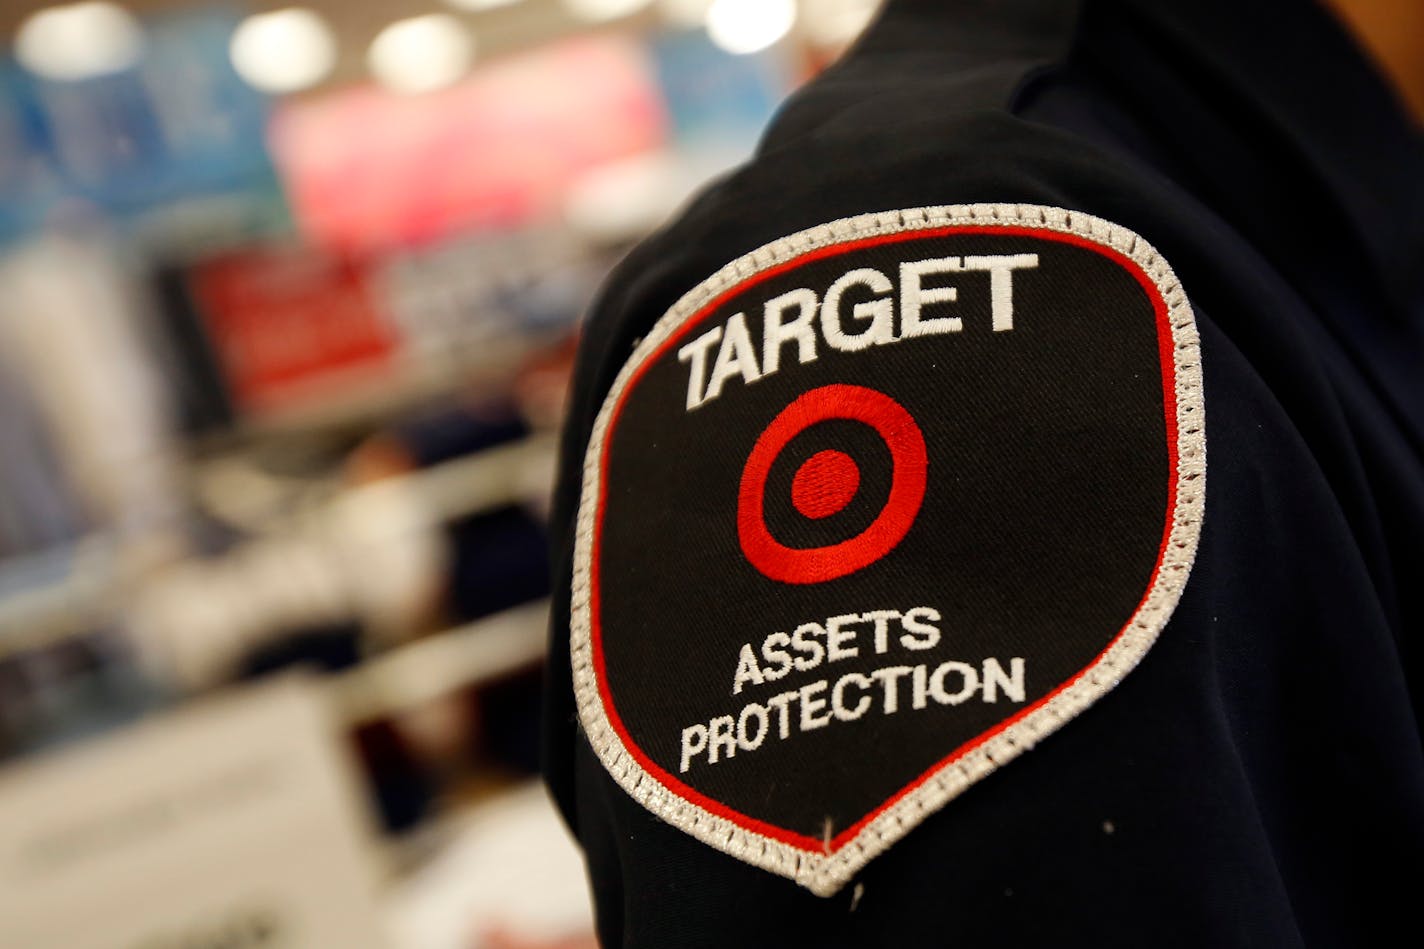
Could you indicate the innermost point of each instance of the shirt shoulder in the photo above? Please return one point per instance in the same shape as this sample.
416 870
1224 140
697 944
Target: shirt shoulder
886 465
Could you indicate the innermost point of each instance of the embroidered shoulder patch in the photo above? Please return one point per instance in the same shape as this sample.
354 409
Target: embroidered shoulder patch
872 511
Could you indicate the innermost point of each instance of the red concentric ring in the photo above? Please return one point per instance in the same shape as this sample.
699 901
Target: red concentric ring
907 486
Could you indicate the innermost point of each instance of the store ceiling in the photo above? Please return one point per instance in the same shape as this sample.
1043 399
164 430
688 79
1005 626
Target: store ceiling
356 23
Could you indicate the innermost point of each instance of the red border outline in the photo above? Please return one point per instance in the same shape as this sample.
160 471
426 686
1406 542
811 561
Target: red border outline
1169 402
909 460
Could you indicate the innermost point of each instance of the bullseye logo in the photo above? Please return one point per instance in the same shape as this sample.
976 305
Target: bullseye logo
827 482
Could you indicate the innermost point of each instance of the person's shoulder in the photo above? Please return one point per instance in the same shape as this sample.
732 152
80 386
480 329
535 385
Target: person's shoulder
855 160
848 400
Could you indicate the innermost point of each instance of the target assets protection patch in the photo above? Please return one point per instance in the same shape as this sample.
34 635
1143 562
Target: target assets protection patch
872 511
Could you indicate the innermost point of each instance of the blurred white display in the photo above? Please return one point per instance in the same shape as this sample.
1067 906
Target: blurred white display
73 323
79 41
283 51
234 822
512 867
421 54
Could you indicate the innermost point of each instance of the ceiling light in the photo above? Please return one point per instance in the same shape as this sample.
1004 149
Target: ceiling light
746 26
79 41
475 6
598 11
421 54
283 51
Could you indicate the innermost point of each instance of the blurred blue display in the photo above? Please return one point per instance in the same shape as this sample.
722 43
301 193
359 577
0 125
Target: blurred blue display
179 124
718 101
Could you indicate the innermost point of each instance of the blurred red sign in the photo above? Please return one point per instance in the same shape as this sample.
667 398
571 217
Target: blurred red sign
288 325
365 167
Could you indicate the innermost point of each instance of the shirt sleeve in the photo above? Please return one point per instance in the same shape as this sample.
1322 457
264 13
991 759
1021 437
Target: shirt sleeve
944 551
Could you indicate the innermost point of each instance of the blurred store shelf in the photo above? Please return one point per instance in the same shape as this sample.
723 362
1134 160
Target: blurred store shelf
441 664
326 564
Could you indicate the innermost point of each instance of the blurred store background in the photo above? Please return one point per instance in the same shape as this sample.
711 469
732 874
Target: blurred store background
288 301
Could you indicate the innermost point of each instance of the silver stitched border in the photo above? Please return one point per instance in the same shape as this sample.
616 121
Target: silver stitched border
824 874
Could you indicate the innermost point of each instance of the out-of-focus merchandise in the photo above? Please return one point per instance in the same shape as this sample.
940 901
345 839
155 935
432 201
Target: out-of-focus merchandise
287 316
72 322
38 508
289 334
92 487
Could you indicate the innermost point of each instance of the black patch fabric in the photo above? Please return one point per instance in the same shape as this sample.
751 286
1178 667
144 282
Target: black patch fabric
874 509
